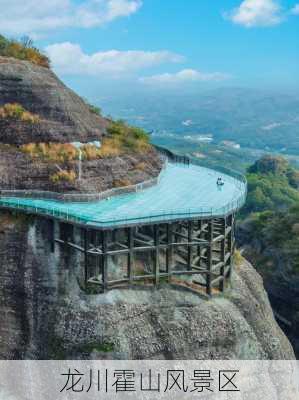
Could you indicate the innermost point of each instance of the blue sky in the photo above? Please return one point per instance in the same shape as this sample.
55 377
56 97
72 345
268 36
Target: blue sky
153 44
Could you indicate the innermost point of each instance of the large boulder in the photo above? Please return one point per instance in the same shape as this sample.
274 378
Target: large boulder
61 116
64 116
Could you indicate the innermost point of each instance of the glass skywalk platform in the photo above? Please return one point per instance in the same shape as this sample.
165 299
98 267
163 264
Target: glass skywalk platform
183 192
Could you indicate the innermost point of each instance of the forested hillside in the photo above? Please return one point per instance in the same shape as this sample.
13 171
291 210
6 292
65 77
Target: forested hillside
268 234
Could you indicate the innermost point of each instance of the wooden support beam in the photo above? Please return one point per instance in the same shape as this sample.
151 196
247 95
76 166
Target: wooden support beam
229 256
156 254
196 261
188 272
228 229
104 261
219 238
200 270
95 282
121 245
182 235
144 242
217 281
192 248
95 250
98 256
190 252
76 247
223 250
52 235
199 249
131 253
219 265
210 257
143 237
139 248
169 251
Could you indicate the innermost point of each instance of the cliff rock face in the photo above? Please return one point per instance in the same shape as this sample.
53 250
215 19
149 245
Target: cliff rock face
44 314
63 115
19 171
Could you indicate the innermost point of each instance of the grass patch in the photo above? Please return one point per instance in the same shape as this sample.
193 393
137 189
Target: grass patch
129 137
63 176
17 112
122 139
23 50
51 152
238 258
92 108
121 182
141 166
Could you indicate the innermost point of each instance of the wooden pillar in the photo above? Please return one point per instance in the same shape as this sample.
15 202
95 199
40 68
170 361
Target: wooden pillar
98 256
189 255
130 232
210 256
231 244
199 246
104 261
169 251
156 254
222 256
52 235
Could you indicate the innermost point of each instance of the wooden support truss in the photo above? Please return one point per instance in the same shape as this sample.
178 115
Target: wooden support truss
198 254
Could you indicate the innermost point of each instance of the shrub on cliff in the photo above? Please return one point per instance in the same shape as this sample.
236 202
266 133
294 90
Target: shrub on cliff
17 112
51 152
23 50
122 138
94 109
132 138
63 176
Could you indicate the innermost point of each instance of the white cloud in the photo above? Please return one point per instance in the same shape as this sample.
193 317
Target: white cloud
295 9
19 17
257 13
272 126
68 58
184 76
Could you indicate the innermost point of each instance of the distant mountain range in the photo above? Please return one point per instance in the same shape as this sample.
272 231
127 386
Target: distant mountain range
258 119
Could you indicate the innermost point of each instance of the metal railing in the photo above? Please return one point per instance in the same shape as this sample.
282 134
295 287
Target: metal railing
85 197
163 215
121 220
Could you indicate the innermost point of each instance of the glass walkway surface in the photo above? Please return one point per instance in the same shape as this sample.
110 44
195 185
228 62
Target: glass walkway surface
183 192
